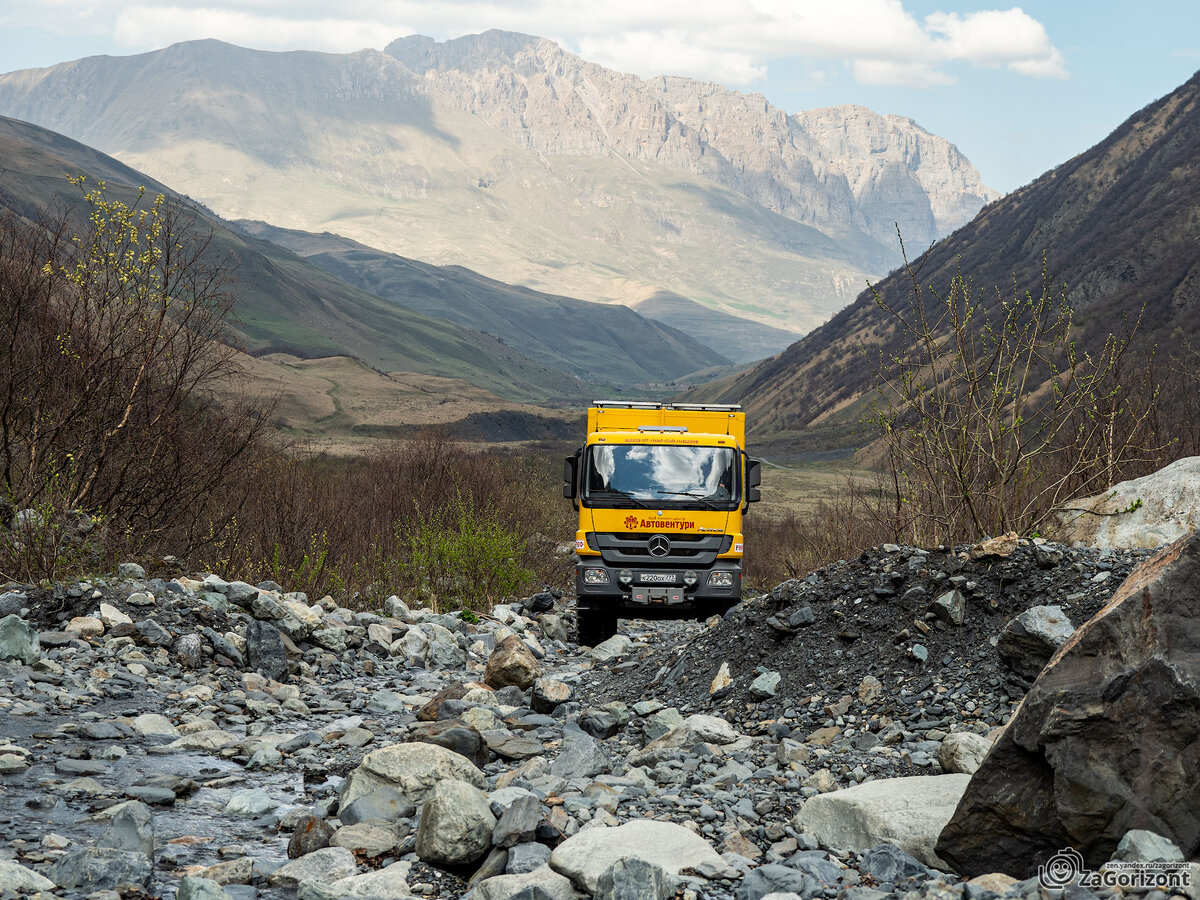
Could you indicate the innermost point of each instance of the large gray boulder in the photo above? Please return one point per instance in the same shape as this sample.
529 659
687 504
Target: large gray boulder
1107 739
907 812
1146 512
586 856
456 825
412 769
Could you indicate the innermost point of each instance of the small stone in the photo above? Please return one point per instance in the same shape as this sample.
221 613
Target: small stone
721 680
85 626
764 685
1139 845
519 822
548 694
870 690
252 803
19 640
1003 546
524 858
311 833
950 607
512 663
112 616
963 752
634 879
131 570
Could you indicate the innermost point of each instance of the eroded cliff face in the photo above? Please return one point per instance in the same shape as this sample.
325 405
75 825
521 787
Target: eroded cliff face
839 169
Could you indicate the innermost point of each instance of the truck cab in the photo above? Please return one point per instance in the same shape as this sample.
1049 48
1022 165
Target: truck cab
661 490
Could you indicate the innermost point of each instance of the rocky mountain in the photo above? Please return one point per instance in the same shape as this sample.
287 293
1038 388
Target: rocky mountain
842 170
506 154
1118 224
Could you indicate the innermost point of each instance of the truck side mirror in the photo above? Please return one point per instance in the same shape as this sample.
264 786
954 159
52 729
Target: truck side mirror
753 480
570 476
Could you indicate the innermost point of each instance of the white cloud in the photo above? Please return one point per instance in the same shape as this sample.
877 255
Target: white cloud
671 53
156 26
887 73
998 38
731 41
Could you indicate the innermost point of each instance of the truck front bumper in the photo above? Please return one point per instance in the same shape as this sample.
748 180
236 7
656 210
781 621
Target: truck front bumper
647 589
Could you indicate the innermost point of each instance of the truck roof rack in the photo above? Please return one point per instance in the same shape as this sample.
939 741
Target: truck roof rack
651 404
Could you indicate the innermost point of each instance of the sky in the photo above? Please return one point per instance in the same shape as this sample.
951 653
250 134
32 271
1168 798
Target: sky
1019 89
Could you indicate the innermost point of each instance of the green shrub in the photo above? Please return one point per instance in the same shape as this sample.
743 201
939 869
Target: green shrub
462 556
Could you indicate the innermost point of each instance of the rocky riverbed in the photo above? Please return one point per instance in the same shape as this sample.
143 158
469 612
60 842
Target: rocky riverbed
193 737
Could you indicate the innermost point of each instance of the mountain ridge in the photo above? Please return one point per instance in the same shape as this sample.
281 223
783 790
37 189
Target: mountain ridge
360 145
670 112
592 341
1119 224
284 304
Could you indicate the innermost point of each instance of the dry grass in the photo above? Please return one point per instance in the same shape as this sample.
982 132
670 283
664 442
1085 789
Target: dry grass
425 518
812 514
340 406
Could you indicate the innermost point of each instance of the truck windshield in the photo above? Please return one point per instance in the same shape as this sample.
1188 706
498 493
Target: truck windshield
662 475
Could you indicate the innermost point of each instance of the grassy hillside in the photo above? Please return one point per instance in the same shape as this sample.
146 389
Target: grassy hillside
597 342
285 304
740 340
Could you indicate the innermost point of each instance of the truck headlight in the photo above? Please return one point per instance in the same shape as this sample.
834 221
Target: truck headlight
721 579
595 576
689 578
625 576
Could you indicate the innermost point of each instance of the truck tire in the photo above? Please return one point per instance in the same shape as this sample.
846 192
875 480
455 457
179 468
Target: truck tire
596 626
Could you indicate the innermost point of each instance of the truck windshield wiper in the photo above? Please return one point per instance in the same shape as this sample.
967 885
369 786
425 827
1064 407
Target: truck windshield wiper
707 501
618 495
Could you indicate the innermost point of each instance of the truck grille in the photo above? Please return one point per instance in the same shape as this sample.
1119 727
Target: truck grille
685 549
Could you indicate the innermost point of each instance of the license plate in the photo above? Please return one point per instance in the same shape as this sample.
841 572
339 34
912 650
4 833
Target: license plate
658 578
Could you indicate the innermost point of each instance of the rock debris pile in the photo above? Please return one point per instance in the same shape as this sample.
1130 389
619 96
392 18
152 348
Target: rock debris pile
199 738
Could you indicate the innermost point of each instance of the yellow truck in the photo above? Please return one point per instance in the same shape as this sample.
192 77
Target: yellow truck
661 490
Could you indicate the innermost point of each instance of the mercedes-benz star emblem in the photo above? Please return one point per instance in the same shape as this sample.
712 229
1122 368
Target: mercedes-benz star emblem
660 545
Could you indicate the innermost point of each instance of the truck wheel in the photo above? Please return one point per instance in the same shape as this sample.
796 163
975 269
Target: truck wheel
596 626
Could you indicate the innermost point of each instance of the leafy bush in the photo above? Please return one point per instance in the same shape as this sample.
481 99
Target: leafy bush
114 339
991 415
460 556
